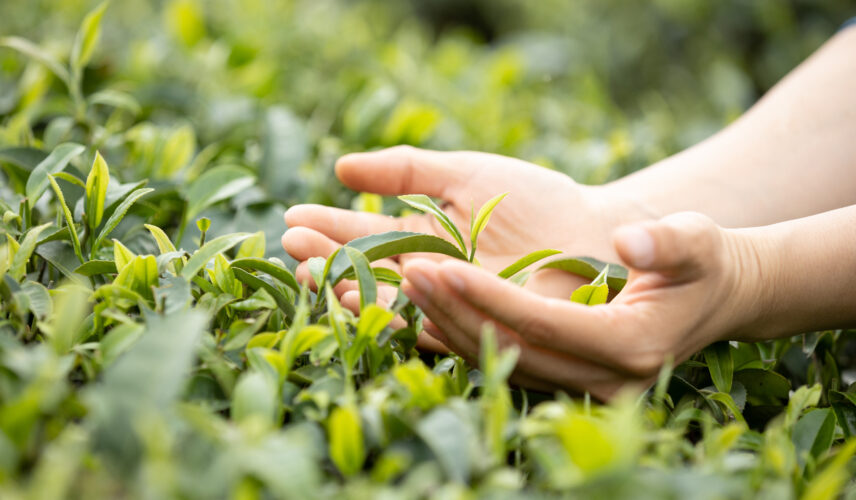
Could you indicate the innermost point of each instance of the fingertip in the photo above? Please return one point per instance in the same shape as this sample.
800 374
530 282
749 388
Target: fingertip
635 245
351 300
418 265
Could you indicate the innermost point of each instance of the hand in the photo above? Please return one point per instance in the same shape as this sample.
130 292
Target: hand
544 209
691 283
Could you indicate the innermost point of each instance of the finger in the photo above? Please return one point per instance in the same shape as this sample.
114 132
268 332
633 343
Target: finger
339 224
303 243
465 347
676 244
590 333
401 170
441 303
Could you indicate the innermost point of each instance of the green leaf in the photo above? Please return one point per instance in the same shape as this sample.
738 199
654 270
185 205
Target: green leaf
55 162
254 397
595 293
117 216
373 319
202 256
383 245
803 397
721 365
116 99
286 149
450 437
162 240
306 338
121 255
590 268
346 440
480 222
96 190
255 282
216 184
177 152
365 277
280 273
87 38
526 261
590 295
18 267
25 158
40 299
70 309
69 220
96 268
763 384
36 53
814 432
254 246
427 205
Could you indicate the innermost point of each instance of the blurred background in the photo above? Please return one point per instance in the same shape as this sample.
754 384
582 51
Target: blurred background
594 88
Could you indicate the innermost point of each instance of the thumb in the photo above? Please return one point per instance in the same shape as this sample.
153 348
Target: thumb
682 242
400 170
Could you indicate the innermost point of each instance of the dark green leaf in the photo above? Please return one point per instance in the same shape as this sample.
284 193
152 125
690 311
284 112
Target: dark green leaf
383 245
721 365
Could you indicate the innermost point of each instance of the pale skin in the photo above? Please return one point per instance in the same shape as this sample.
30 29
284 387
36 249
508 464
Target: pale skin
767 252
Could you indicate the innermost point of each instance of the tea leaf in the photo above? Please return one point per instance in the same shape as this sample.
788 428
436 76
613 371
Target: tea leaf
814 432
346 440
480 222
255 283
55 162
365 277
721 365
121 255
254 397
87 37
427 205
280 273
202 256
18 266
383 245
69 220
36 53
526 261
216 184
96 190
162 240
96 268
40 299
117 216
254 246
590 268
286 149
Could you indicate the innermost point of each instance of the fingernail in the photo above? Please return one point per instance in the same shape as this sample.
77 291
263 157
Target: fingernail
638 244
420 281
453 280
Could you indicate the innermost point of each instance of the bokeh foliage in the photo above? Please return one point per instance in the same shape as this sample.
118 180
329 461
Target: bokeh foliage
162 349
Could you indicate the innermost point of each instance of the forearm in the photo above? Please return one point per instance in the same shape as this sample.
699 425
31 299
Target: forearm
792 155
802 275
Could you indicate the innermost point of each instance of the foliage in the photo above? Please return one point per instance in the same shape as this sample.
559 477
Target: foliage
147 349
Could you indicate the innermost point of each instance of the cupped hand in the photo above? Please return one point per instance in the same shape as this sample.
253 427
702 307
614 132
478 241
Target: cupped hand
690 284
544 209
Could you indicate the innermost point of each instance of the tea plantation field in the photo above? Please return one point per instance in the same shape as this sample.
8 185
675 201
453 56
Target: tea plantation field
155 343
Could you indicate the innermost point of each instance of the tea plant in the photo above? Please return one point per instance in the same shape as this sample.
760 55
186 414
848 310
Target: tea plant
147 350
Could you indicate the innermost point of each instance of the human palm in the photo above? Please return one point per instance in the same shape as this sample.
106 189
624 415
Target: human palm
544 209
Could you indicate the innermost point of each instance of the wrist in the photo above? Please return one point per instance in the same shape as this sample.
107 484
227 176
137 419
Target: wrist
758 291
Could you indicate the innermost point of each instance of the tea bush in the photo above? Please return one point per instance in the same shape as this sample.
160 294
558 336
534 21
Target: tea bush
154 342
